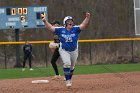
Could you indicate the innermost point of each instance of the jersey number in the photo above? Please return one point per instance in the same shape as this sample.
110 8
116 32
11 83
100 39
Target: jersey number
68 39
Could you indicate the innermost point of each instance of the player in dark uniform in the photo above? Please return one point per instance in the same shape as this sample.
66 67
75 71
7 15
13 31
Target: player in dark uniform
54 46
27 49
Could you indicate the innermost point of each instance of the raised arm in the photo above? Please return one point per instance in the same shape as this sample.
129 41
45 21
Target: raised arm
47 24
85 22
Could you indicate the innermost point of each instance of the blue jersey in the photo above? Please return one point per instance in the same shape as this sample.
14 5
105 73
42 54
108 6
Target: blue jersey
68 38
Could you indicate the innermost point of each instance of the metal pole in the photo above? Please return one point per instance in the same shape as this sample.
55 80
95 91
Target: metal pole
46 55
132 52
5 56
90 50
17 49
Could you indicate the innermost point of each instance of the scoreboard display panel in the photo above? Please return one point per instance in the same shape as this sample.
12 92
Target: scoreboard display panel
22 17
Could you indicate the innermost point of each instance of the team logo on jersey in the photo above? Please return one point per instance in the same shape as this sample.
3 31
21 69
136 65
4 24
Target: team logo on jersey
63 32
68 38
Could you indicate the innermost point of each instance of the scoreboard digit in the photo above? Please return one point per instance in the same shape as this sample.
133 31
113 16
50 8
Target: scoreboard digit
22 17
13 11
25 11
19 11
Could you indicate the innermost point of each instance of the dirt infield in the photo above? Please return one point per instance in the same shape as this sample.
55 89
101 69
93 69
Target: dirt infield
96 83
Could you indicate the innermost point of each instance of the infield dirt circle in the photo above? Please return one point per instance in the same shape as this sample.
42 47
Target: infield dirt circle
96 83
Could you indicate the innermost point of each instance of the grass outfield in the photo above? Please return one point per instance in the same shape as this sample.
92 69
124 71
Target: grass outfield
90 69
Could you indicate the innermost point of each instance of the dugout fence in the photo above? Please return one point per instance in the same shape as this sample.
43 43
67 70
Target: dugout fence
97 51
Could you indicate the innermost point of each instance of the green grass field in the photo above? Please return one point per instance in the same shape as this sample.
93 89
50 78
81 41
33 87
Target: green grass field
48 71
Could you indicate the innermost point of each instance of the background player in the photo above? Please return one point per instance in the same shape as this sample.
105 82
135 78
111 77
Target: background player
54 46
68 43
27 49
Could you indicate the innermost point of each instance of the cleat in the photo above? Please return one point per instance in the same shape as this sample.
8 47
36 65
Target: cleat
23 69
64 79
68 83
31 69
56 77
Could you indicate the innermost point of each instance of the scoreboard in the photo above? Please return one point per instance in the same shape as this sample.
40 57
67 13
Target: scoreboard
22 17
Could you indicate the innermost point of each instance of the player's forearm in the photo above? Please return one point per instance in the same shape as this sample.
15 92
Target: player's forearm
49 26
85 22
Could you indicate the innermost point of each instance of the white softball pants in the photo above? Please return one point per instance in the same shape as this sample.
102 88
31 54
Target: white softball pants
69 58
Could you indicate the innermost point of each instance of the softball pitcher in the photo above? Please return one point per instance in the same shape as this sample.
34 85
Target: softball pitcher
68 50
